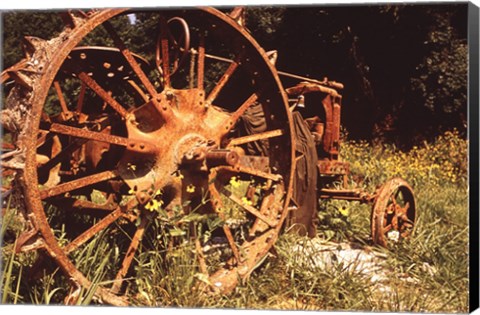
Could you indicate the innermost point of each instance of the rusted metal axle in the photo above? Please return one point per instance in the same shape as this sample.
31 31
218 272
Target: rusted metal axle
347 194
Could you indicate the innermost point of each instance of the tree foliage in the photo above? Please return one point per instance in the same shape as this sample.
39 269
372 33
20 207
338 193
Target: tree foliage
404 66
18 24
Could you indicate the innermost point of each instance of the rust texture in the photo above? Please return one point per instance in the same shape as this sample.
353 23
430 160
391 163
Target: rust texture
115 157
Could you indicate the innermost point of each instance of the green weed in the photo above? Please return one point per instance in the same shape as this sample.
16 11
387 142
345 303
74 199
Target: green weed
429 273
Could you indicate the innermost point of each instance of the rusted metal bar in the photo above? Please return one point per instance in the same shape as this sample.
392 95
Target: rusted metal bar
92 231
80 204
5 75
232 120
130 59
257 136
336 126
81 98
218 206
201 61
61 99
92 84
332 84
346 194
223 80
252 210
251 171
131 144
129 255
218 157
77 183
311 87
164 50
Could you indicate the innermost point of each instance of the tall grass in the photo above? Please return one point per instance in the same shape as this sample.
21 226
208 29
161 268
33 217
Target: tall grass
429 273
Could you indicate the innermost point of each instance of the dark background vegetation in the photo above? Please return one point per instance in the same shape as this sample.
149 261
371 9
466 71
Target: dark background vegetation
404 66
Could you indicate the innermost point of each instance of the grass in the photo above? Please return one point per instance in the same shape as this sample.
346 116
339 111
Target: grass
429 273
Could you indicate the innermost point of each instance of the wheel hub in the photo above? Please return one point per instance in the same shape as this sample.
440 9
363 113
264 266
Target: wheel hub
182 132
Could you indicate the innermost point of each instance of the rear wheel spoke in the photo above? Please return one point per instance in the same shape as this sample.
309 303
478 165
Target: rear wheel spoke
164 51
92 231
223 80
219 207
77 184
251 171
232 120
130 59
86 134
201 61
81 98
257 137
61 98
130 144
130 254
104 95
84 205
57 158
249 208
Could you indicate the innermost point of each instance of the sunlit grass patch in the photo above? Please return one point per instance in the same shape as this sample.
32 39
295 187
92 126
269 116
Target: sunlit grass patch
428 273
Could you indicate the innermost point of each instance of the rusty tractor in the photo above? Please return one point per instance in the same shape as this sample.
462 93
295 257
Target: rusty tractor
102 137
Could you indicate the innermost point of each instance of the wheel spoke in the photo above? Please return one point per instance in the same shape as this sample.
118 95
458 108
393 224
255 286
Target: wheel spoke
88 134
164 51
223 80
61 98
104 95
130 59
387 228
403 210
130 144
218 206
267 208
84 205
249 208
251 171
92 231
81 98
77 183
138 90
72 147
132 249
232 120
201 61
256 137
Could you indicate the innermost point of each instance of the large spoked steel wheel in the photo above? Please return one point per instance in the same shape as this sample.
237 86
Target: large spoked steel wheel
119 137
394 213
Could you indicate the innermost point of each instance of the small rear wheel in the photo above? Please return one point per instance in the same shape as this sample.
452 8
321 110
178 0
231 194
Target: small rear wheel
394 213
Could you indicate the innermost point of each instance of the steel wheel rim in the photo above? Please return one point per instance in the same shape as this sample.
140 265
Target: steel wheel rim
393 213
34 196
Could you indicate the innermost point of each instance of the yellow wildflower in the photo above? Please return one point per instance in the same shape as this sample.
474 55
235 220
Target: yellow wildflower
246 201
344 211
234 182
153 205
190 188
